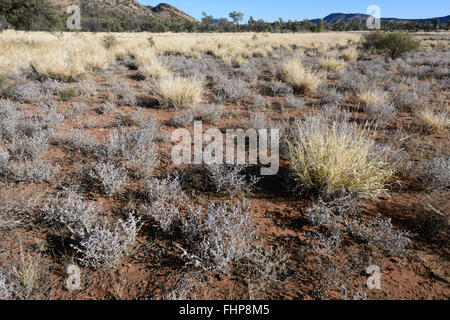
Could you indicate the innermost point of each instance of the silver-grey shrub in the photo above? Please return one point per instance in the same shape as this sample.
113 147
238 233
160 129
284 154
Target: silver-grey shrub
330 95
232 90
279 88
9 119
137 146
6 288
294 102
436 173
229 178
184 119
231 232
107 108
104 247
380 232
32 92
381 113
208 113
30 148
227 233
164 199
72 216
124 93
112 177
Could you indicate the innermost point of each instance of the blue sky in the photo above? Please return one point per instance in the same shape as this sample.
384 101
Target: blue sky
270 10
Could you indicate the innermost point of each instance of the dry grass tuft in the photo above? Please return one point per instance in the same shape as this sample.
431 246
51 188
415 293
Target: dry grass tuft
368 97
179 92
337 159
154 70
350 54
301 79
60 66
331 64
437 121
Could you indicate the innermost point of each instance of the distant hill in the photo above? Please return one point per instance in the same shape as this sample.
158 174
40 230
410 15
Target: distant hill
346 17
124 8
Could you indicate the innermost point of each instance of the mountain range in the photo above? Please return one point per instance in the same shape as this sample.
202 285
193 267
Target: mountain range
124 8
346 17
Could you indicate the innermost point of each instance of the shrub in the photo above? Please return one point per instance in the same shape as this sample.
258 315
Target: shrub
123 92
333 112
79 141
331 96
436 173
294 102
278 88
107 108
258 101
29 148
36 171
407 100
381 113
111 177
9 119
380 232
179 92
6 289
437 121
335 158
301 79
72 217
166 197
332 215
227 233
31 92
208 113
137 146
104 247
395 44
232 90
183 120
352 81
229 178
109 41
86 88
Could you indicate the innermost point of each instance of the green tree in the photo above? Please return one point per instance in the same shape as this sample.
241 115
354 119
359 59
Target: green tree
31 14
320 26
236 17
436 24
395 44
427 26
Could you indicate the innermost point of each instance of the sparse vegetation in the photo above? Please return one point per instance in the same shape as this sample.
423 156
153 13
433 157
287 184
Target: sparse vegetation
87 177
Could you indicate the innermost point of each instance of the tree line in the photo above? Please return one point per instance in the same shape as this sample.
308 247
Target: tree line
44 16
